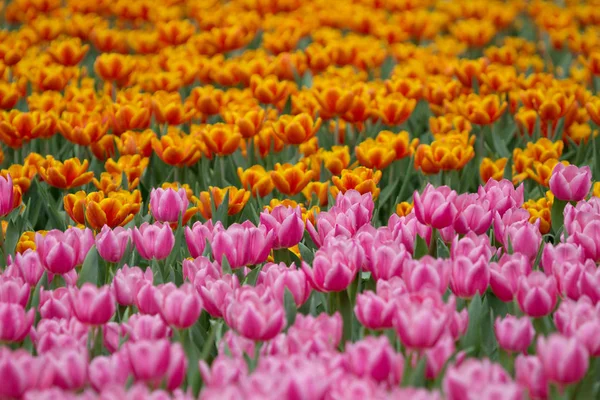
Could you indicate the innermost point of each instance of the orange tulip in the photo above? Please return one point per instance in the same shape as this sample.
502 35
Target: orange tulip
21 175
168 109
291 179
70 174
104 148
27 241
362 179
207 99
177 149
127 117
337 159
269 90
175 32
256 180
17 127
333 101
267 142
237 200
482 110
222 139
404 208
131 142
9 95
393 109
249 123
593 109
375 155
492 169
296 129
540 210
97 209
318 189
114 67
449 153
399 142
82 129
68 52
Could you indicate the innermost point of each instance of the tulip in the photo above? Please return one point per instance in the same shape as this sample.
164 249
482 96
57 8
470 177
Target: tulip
146 327
590 285
570 183
501 195
20 372
438 355
242 245
388 260
472 215
569 276
361 179
6 195
314 335
505 275
168 205
148 359
286 223
14 291
421 320
200 264
107 371
514 334
510 217
560 254
467 278
92 305
55 303
279 277
291 179
524 237
335 265
29 266
564 360
459 323
81 239
177 369
15 322
375 358
58 254
529 373
588 240
111 243
254 313
214 291
435 206
234 345
153 241
223 372
198 234
472 246
60 334
69 367
72 173
406 229
427 273
472 376
149 298
128 281
181 307
537 294
373 311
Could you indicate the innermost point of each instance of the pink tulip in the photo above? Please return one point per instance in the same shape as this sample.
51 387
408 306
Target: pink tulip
422 319
427 273
501 195
55 303
181 307
29 266
524 237
405 230
146 327
467 278
435 206
459 323
15 322
148 298
20 372
373 311
128 281
505 275
167 205
564 360
286 223
201 263
537 294
198 234
392 289
153 241
472 215
388 260
60 334
502 391
14 291
148 359
509 218
279 277
177 369
111 243
569 275
254 313
352 198
588 239
559 254
92 305
242 245
234 345
570 183
61 251
472 246
223 372
80 239
580 319
529 373
107 371
438 355
69 367
6 195
590 285
112 333
310 336
374 358
214 291
472 376
514 334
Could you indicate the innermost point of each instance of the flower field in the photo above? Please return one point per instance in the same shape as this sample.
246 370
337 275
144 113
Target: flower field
288 199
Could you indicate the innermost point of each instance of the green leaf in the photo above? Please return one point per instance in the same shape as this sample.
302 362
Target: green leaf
225 266
557 214
473 336
58 220
42 283
221 213
253 276
92 270
290 307
421 248
13 233
307 254
442 249
417 375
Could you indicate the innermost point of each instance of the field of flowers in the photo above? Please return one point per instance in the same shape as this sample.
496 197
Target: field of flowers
288 199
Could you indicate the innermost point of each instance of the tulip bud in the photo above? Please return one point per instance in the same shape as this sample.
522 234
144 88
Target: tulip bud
514 334
564 360
92 305
153 241
537 294
111 243
435 206
181 306
286 224
168 205
570 183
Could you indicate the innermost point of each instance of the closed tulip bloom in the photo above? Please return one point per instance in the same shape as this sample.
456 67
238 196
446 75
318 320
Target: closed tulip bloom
148 359
181 307
254 313
472 246
388 260
529 373
374 358
472 376
467 278
92 305
286 224
107 371
176 372
112 243
427 273
537 294
21 372
505 275
223 372
459 323
69 367
564 360
501 195
561 253
473 215
514 334
214 292
570 183
55 303
438 355
146 327
81 239
153 241
510 217
524 237
15 322
198 234
14 290
127 282
6 195
202 265
242 244
168 205
588 239
57 255
279 277
435 206
29 266
374 312
335 265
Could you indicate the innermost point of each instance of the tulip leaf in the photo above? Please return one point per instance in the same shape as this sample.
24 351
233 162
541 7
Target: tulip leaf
421 249
307 254
557 214
42 283
416 376
13 233
92 270
225 266
58 221
442 249
253 276
290 307
221 213
477 309
589 387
